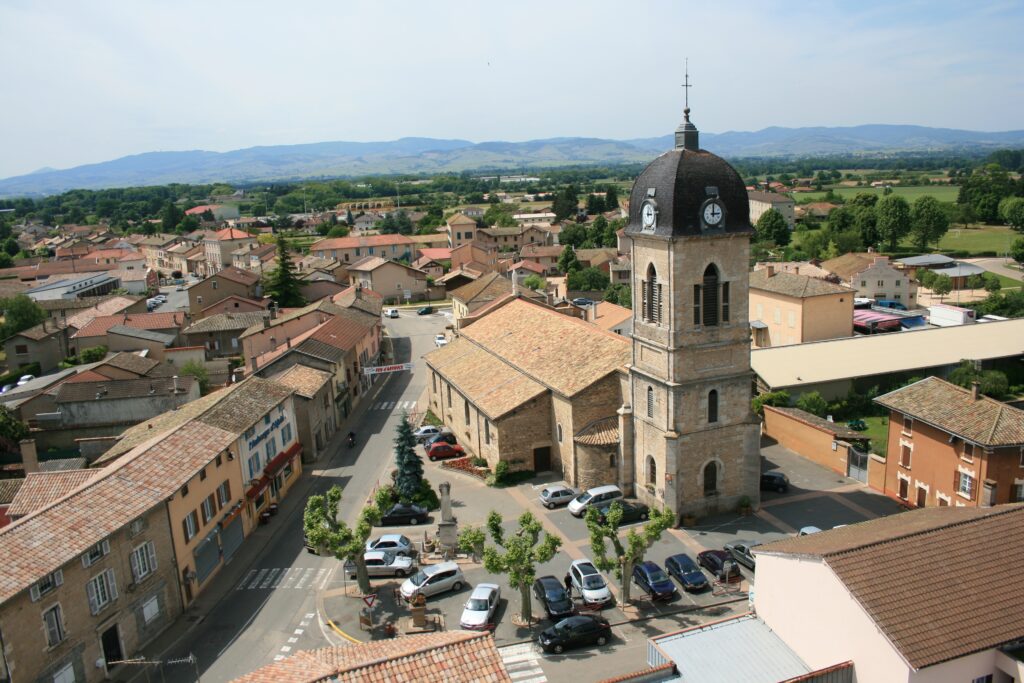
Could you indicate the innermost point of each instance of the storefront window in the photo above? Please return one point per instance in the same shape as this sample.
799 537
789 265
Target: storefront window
261 499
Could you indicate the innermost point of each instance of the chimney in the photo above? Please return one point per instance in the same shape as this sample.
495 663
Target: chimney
288 342
515 285
175 379
29 457
266 322
253 363
273 311
796 270
975 390
359 291
771 271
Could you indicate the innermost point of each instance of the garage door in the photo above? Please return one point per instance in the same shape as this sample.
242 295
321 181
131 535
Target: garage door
231 538
207 556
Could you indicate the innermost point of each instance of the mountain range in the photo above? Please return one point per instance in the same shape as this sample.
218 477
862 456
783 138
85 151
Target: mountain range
429 155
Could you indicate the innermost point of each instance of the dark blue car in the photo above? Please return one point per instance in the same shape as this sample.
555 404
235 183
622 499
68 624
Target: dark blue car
686 572
654 581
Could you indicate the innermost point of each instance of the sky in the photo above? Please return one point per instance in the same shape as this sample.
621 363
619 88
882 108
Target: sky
84 82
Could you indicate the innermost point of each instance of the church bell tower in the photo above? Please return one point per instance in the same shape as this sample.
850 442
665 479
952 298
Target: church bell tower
694 442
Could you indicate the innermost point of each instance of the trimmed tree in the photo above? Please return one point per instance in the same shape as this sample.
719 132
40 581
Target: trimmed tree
942 285
410 466
282 286
523 551
625 553
324 531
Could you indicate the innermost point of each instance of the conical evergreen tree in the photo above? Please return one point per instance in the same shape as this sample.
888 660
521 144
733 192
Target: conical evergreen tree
282 285
409 463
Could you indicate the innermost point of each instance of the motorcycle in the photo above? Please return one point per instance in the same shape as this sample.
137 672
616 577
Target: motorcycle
351 440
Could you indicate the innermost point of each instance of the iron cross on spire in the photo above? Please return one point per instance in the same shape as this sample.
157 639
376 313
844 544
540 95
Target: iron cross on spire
687 85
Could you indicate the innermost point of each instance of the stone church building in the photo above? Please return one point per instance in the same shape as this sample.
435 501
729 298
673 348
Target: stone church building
665 414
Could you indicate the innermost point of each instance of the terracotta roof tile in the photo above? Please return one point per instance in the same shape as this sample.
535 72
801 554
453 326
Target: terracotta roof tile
536 250
603 432
130 362
42 488
238 410
232 234
924 554
361 241
113 389
142 321
246 278
225 322
8 489
487 288
608 315
983 421
848 265
793 285
304 380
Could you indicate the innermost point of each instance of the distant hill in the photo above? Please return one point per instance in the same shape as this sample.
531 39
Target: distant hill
428 155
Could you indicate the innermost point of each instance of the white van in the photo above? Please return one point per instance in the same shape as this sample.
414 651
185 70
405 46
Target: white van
595 496
390 312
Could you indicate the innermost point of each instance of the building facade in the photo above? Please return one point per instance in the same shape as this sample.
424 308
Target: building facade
789 308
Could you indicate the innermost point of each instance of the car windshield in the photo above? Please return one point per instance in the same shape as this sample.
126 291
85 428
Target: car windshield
555 594
477 605
418 578
687 565
593 581
657 575
583 497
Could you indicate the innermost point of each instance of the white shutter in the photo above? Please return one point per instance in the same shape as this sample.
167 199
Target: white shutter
151 552
58 577
136 573
105 546
85 560
111 584
33 592
90 589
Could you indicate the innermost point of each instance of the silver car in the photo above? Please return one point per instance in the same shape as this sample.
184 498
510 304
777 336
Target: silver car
554 495
480 607
396 544
380 563
434 579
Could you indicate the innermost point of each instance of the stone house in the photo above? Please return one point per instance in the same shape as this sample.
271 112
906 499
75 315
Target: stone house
790 308
874 277
761 202
45 343
461 230
391 279
229 281
351 249
316 415
221 333
219 248
544 256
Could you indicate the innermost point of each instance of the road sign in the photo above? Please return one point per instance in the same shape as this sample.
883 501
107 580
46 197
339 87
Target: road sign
369 599
381 369
407 294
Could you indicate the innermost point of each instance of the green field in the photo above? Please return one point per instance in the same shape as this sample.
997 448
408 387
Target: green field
944 193
976 239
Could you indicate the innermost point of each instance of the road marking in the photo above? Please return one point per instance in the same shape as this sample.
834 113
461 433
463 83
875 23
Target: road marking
248 577
270 578
321 578
293 639
259 577
299 631
286 648
522 663
278 658
310 615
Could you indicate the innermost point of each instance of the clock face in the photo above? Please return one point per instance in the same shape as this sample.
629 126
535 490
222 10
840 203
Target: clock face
713 213
648 215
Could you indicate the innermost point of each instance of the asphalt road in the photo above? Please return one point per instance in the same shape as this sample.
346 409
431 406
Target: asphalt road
271 612
998 266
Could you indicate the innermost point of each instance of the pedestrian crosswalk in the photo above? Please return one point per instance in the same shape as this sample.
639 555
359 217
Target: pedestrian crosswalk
272 578
394 405
523 663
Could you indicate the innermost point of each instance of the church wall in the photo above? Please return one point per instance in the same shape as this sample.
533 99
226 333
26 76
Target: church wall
597 466
561 449
521 431
600 400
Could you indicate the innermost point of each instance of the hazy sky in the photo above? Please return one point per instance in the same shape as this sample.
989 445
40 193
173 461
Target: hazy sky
84 82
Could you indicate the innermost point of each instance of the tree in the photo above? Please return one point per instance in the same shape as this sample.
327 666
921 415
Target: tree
771 227
471 541
283 287
893 214
1011 210
396 222
992 382
611 198
11 247
523 551
1017 250
170 216
12 430
928 222
348 217
93 354
410 466
595 204
926 277
587 280
991 282
941 285
566 203
628 552
337 230
813 402
778 399
535 282
573 235
197 370
20 313
323 530
5 260
568 262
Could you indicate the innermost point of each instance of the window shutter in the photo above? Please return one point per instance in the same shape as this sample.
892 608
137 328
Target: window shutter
184 527
136 573
151 553
106 546
33 593
85 560
111 584
58 577
956 480
90 588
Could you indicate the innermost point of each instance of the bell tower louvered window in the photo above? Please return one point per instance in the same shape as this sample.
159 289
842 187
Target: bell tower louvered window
652 297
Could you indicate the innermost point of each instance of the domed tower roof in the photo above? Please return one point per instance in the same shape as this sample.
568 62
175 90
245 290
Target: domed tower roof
680 182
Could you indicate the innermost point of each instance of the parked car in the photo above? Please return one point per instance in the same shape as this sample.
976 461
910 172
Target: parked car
581 629
589 583
857 425
742 552
774 481
441 450
440 340
480 608
179 288
402 513
653 580
427 432
550 592
808 530
891 304
25 379
433 579
380 563
396 544
426 310
555 495
162 298
720 564
686 572
6 388
446 437
631 512
582 301
595 496
390 312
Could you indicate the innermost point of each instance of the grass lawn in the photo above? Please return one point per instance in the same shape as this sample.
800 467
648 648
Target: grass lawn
878 432
978 238
944 193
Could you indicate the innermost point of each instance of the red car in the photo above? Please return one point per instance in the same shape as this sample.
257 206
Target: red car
441 450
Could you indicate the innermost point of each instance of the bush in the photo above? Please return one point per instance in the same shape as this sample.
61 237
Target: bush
772 398
426 497
431 419
501 473
478 461
93 354
813 403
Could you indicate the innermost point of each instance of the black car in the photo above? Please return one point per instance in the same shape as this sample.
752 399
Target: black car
550 592
447 437
401 513
582 302
426 310
653 580
686 572
631 512
774 481
720 564
581 629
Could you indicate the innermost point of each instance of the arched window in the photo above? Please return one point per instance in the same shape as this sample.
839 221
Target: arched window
713 405
711 478
650 402
651 304
652 471
709 297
